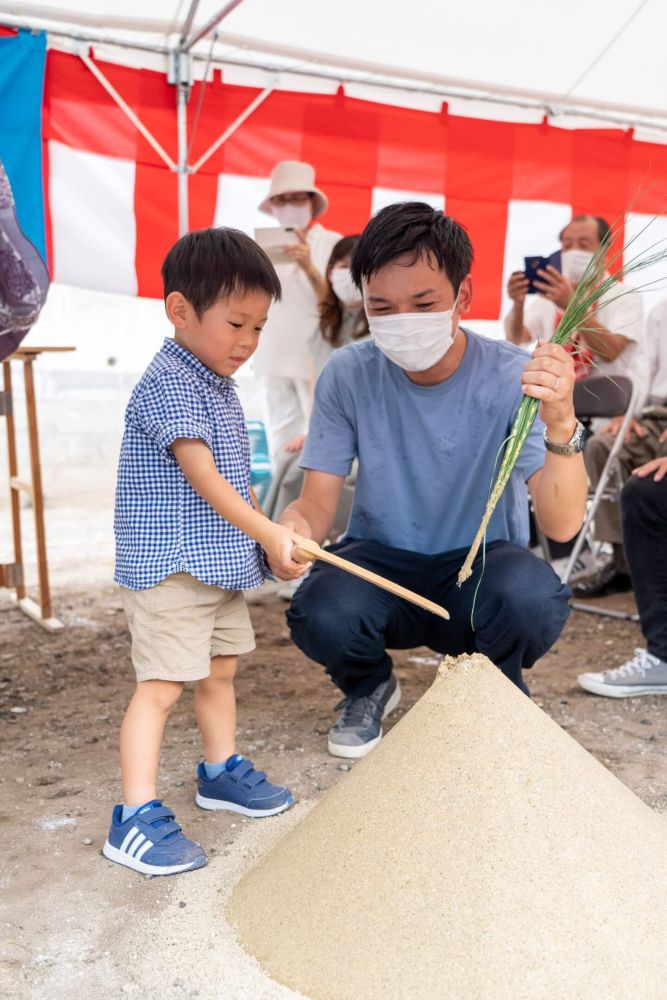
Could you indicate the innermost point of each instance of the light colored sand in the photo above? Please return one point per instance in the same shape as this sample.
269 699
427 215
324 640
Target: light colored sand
193 952
480 852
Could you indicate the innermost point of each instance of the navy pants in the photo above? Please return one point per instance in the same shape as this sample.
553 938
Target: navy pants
644 522
346 624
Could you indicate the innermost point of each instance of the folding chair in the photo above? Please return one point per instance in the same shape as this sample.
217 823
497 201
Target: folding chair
260 463
601 396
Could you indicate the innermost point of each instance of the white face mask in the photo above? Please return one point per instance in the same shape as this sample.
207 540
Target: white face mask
573 263
293 215
414 341
345 288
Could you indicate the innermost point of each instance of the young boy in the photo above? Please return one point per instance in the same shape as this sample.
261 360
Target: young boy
189 540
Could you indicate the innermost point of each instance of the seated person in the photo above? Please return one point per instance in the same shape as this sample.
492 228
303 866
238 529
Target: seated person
644 520
645 440
612 341
425 407
24 280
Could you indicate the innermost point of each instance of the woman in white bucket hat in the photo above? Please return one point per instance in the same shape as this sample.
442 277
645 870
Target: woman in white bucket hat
284 359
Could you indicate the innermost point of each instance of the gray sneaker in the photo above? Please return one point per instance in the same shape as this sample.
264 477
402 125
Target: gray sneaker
359 727
643 674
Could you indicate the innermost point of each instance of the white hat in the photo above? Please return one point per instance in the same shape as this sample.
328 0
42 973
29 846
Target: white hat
289 176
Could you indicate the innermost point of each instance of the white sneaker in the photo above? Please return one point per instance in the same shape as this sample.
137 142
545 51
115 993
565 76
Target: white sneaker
643 674
586 564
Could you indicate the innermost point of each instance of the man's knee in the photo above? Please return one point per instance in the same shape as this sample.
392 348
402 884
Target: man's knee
527 592
331 617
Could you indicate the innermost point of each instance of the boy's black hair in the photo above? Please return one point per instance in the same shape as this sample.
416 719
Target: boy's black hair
210 264
413 229
603 227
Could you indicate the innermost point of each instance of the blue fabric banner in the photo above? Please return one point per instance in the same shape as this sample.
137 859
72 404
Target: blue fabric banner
22 65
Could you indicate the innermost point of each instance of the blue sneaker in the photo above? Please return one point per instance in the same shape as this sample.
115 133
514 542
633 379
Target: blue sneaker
151 842
241 789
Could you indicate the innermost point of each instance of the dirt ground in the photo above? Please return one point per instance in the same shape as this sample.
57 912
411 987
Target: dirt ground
73 924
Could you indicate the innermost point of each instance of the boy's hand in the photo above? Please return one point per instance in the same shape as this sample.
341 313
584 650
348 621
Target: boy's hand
278 544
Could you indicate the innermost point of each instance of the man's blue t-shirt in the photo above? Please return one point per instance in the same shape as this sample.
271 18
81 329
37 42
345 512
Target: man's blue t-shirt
426 454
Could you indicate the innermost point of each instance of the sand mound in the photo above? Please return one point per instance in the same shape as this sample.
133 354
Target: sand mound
480 852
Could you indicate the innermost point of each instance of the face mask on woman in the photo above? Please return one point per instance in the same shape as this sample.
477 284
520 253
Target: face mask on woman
573 263
293 215
414 341
345 289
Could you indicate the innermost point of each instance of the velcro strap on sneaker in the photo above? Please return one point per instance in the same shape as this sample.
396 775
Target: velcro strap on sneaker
241 770
256 778
158 812
160 832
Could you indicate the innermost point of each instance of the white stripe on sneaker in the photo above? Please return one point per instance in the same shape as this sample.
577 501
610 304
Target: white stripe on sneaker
136 844
133 832
142 850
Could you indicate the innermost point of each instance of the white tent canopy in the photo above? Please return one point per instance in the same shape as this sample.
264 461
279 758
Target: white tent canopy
602 60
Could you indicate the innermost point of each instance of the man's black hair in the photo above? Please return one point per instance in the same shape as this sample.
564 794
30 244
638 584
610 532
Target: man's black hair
211 264
603 227
413 229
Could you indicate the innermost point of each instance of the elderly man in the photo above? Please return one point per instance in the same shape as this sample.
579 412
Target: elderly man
284 358
613 340
425 407
24 280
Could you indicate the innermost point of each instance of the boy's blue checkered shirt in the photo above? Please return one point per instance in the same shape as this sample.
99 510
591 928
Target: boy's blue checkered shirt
162 526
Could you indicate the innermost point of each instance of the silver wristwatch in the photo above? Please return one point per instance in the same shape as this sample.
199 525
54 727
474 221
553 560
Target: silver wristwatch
573 446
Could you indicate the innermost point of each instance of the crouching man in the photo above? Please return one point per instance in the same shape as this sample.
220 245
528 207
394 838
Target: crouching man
425 407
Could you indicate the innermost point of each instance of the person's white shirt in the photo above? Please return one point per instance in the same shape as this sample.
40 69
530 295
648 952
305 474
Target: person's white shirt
283 350
620 311
656 349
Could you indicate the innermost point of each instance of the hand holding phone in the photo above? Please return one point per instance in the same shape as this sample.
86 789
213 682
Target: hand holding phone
535 264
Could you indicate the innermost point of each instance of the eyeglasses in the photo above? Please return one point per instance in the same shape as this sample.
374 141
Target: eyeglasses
292 198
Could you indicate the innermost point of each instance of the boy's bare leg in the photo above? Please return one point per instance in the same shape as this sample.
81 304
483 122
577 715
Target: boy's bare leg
215 709
141 738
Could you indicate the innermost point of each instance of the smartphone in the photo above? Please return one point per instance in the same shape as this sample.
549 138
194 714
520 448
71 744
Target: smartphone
274 239
535 264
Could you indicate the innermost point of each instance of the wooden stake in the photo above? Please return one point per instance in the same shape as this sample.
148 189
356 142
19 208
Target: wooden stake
309 551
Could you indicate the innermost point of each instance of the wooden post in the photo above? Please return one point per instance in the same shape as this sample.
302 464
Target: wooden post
12 575
36 491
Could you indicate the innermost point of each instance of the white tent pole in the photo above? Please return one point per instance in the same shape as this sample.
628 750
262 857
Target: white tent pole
182 93
232 128
126 109
210 25
187 24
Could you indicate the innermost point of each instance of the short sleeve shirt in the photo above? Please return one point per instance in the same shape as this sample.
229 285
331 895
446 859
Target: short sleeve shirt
426 455
162 525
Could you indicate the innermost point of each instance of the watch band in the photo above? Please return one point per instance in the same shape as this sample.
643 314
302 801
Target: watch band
573 447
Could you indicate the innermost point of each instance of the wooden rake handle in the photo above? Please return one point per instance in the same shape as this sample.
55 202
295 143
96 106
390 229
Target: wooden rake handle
309 551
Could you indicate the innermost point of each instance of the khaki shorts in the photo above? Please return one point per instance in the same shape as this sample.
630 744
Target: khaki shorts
177 626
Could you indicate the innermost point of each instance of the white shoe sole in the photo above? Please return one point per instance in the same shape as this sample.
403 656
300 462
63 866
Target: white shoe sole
216 804
617 690
354 753
113 854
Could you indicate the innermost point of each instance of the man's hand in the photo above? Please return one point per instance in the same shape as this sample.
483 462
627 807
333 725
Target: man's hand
635 429
517 287
278 542
553 286
657 465
295 445
549 377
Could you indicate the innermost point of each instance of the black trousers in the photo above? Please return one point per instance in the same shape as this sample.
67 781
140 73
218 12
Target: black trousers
644 524
513 617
